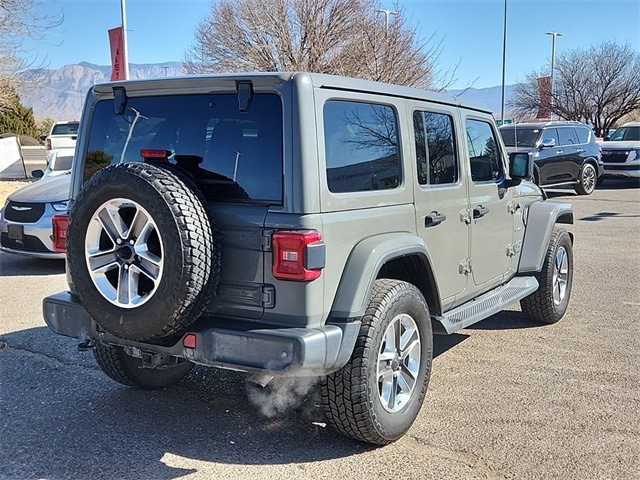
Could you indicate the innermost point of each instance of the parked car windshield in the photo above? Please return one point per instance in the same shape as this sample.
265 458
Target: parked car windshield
204 134
626 134
520 137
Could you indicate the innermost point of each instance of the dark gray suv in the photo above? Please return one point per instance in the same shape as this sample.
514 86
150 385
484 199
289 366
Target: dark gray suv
299 224
563 152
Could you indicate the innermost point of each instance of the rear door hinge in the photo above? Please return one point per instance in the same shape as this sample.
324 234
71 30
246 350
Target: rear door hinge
513 207
465 266
514 248
465 216
268 299
265 240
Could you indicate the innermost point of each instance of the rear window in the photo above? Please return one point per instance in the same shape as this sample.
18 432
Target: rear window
361 147
584 134
65 129
206 135
520 137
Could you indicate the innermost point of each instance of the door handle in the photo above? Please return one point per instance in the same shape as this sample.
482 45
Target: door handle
580 150
480 211
434 218
559 152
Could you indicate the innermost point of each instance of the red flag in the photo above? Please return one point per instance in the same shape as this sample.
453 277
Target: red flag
544 90
117 66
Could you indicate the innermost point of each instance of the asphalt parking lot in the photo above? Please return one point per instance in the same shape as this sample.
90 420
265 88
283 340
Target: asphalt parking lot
507 399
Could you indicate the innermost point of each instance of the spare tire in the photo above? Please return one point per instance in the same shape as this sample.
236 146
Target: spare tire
141 251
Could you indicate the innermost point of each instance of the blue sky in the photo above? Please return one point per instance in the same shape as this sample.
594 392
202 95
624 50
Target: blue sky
470 30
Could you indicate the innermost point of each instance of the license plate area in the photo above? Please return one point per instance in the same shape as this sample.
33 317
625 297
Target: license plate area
15 232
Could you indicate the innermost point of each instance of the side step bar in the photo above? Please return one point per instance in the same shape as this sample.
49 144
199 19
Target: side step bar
486 305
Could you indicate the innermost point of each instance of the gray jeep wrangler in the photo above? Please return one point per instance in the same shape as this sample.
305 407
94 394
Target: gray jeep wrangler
296 224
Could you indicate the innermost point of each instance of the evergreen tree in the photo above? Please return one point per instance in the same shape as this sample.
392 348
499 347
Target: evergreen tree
18 119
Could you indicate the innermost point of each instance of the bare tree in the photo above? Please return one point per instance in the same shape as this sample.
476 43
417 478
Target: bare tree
599 86
19 19
344 37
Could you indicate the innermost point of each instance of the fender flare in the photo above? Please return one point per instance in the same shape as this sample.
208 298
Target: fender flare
362 267
541 218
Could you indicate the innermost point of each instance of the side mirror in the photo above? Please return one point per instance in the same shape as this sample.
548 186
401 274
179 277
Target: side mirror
43 137
37 173
520 167
606 138
548 143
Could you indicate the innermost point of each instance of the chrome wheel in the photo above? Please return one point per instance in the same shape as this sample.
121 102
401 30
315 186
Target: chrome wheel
398 363
124 253
560 276
588 178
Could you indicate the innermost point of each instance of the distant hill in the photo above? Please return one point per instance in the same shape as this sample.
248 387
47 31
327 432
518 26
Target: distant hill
61 92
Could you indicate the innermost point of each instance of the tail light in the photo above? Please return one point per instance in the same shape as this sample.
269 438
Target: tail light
47 144
60 225
298 255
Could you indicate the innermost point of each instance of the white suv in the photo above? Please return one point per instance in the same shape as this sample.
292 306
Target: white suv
621 152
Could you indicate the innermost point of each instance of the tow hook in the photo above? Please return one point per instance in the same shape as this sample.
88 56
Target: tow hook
85 346
152 360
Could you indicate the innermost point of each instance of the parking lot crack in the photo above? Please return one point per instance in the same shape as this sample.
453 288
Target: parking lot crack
474 462
48 359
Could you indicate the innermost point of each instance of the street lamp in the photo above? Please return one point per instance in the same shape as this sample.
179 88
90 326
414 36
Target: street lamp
504 59
125 48
386 16
553 62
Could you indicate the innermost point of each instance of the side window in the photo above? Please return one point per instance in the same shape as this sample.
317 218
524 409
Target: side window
566 136
484 152
550 134
583 134
361 146
435 148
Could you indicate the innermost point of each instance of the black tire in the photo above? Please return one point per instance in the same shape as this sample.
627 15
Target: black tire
166 279
216 251
126 370
549 303
352 396
587 180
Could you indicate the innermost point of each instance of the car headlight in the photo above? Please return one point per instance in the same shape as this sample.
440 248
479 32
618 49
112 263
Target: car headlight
60 206
637 157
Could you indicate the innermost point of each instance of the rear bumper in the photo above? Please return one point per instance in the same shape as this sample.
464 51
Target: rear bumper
278 351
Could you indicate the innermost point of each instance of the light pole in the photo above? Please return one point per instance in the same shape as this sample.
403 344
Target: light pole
386 16
125 50
553 63
504 59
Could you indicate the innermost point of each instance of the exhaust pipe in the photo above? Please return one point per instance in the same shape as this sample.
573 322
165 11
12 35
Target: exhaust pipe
260 379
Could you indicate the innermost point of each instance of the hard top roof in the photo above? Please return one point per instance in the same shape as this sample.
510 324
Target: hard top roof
318 80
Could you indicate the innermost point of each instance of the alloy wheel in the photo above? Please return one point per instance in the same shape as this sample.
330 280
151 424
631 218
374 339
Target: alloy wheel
124 253
398 363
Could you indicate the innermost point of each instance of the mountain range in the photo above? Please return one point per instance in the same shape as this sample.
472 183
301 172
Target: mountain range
59 93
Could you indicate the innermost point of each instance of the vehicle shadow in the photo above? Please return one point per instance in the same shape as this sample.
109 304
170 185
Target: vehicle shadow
619 184
96 428
604 215
505 320
12 265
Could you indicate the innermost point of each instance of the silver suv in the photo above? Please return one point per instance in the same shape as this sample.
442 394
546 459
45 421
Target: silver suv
621 152
296 224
